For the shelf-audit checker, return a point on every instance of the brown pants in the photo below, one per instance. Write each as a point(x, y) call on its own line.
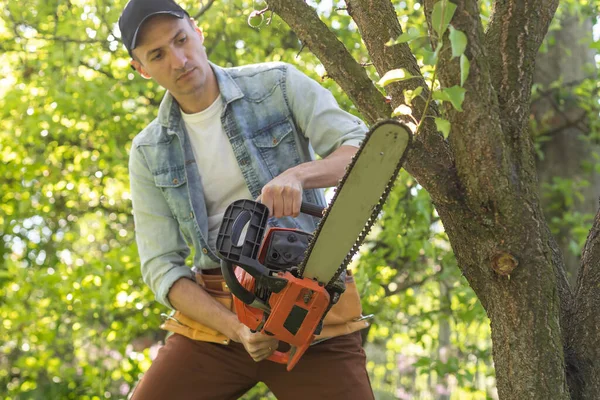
point(186, 369)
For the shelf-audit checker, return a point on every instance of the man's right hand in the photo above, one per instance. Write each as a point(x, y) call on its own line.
point(258, 345)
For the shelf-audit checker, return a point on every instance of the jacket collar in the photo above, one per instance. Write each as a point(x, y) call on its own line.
point(169, 114)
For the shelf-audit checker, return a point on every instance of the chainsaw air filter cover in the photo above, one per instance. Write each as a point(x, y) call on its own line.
point(286, 249)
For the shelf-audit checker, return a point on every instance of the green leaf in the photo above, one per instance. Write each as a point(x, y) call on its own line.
point(409, 95)
point(465, 66)
point(442, 13)
point(423, 362)
point(407, 36)
point(455, 95)
point(394, 75)
point(458, 41)
point(402, 110)
point(431, 57)
point(443, 125)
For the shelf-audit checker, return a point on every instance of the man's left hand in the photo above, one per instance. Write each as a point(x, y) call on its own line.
point(283, 195)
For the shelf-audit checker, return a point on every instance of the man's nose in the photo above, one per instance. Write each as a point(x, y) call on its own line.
point(179, 59)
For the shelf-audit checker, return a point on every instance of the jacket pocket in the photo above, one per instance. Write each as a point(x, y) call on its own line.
point(276, 147)
point(173, 184)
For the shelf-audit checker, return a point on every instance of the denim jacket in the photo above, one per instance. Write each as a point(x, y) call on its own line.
point(275, 118)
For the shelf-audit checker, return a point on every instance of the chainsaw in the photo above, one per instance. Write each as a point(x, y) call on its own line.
point(285, 281)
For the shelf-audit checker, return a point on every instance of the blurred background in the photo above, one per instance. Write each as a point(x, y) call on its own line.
point(76, 320)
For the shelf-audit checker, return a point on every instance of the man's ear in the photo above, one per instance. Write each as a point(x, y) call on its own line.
point(198, 30)
point(139, 68)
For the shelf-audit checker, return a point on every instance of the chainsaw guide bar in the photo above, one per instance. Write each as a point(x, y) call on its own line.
point(358, 199)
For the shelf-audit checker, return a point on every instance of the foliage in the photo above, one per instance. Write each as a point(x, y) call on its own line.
point(73, 307)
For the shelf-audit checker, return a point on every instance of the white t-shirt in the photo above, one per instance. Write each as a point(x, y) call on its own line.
point(222, 178)
point(221, 175)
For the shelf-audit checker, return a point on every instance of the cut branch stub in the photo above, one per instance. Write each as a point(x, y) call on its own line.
point(504, 264)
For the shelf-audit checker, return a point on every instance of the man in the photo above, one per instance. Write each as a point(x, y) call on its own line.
point(221, 135)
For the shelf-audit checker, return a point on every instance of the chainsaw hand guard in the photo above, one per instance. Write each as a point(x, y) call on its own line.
point(238, 242)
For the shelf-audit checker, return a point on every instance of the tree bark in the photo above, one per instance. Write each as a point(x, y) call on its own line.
point(585, 325)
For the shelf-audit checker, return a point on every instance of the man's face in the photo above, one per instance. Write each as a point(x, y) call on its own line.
point(170, 51)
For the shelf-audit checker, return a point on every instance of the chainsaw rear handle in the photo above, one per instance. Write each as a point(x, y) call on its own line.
point(280, 357)
point(289, 358)
point(235, 287)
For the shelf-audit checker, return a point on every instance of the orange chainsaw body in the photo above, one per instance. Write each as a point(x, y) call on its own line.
point(296, 311)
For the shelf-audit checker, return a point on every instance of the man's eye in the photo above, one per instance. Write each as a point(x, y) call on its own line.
point(183, 39)
point(158, 56)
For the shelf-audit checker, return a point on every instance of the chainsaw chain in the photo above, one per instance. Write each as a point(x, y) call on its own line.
point(374, 214)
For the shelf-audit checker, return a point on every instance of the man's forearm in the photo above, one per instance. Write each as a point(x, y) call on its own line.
point(326, 172)
point(190, 299)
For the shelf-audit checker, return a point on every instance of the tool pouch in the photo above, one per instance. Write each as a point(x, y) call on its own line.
point(346, 315)
point(179, 323)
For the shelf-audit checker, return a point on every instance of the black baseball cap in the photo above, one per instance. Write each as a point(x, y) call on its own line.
point(136, 12)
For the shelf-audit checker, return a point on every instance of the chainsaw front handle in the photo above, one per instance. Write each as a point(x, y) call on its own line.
point(312, 209)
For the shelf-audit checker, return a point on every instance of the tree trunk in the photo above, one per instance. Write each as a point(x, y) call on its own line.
point(583, 334)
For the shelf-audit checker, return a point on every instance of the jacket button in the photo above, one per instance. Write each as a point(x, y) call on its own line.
point(205, 250)
point(274, 141)
point(175, 181)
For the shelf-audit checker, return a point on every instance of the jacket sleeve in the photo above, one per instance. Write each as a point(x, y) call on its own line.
point(319, 116)
point(160, 243)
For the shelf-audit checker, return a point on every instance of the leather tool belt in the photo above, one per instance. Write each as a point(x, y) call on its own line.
point(344, 317)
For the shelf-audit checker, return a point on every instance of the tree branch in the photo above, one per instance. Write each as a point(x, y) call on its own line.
point(205, 7)
point(430, 161)
point(104, 72)
point(336, 59)
point(515, 33)
point(483, 159)
point(566, 123)
point(377, 24)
